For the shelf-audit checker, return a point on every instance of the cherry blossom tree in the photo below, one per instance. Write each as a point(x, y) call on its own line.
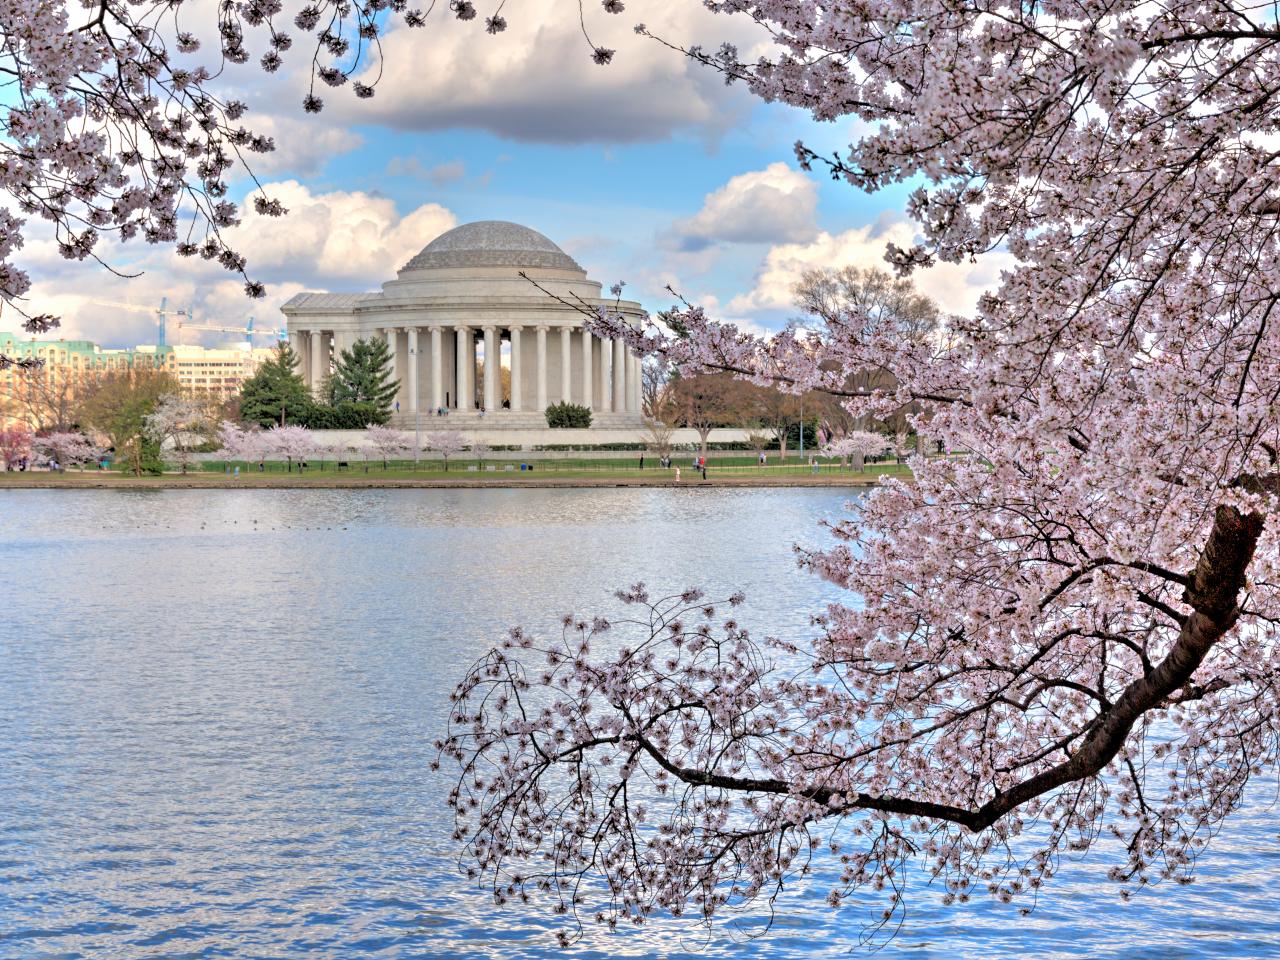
point(232, 436)
point(1069, 634)
point(171, 426)
point(66, 449)
point(446, 443)
point(856, 445)
point(1065, 635)
point(480, 450)
point(388, 441)
point(291, 442)
point(15, 444)
point(242, 443)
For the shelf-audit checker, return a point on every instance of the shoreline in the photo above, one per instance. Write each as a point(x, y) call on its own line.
point(218, 481)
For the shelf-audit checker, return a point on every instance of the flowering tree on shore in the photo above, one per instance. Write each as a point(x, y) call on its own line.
point(856, 444)
point(15, 444)
point(1068, 635)
point(242, 443)
point(67, 448)
point(446, 443)
point(388, 441)
point(291, 442)
point(171, 425)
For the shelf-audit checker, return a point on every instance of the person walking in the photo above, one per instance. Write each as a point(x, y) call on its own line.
point(704, 468)
point(642, 461)
point(677, 474)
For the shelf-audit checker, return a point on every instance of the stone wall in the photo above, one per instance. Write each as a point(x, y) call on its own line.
point(544, 436)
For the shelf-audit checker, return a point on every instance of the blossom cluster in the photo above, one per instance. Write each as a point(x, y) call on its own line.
point(1067, 632)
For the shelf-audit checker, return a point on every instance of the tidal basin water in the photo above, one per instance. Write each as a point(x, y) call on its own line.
point(217, 710)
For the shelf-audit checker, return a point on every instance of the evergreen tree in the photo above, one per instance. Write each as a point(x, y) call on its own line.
point(363, 375)
point(276, 394)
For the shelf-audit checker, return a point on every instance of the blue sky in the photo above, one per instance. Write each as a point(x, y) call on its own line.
point(649, 170)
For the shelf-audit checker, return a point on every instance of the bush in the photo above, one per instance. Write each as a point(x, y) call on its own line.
point(568, 415)
point(347, 415)
point(148, 459)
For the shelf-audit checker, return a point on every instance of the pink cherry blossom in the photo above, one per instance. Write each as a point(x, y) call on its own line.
point(1066, 633)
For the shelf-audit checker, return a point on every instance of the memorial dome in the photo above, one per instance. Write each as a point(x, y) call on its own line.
point(491, 243)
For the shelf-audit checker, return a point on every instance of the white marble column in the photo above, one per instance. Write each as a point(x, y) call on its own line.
point(413, 370)
point(588, 380)
point(317, 371)
point(566, 375)
point(540, 387)
point(634, 370)
point(437, 371)
point(302, 349)
point(517, 363)
point(606, 377)
point(620, 378)
point(462, 385)
point(390, 335)
point(492, 366)
point(299, 345)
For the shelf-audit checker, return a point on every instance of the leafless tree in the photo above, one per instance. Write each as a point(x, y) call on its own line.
point(706, 401)
point(44, 398)
point(777, 412)
point(656, 402)
point(864, 300)
point(658, 436)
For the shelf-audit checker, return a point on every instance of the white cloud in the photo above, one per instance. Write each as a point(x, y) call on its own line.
point(336, 240)
point(303, 146)
point(956, 287)
point(773, 205)
point(537, 82)
point(122, 312)
point(747, 324)
point(438, 174)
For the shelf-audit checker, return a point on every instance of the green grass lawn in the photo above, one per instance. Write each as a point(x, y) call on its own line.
point(731, 465)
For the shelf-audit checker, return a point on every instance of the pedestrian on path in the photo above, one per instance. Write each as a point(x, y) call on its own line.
point(677, 474)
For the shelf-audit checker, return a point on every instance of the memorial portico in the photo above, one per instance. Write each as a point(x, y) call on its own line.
point(459, 312)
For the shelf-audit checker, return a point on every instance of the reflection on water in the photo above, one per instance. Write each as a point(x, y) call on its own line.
point(216, 711)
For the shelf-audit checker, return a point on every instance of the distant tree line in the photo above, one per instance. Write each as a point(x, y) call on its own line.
point(855, 298)
point(139, 418)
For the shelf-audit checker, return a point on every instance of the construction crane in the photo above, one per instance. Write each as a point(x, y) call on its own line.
point(246, 329)
point(162, 314)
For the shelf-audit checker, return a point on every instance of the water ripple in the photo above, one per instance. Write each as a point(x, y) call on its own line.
point(216, 711)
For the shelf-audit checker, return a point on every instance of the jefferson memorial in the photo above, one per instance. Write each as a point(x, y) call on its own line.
point(460, 303)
